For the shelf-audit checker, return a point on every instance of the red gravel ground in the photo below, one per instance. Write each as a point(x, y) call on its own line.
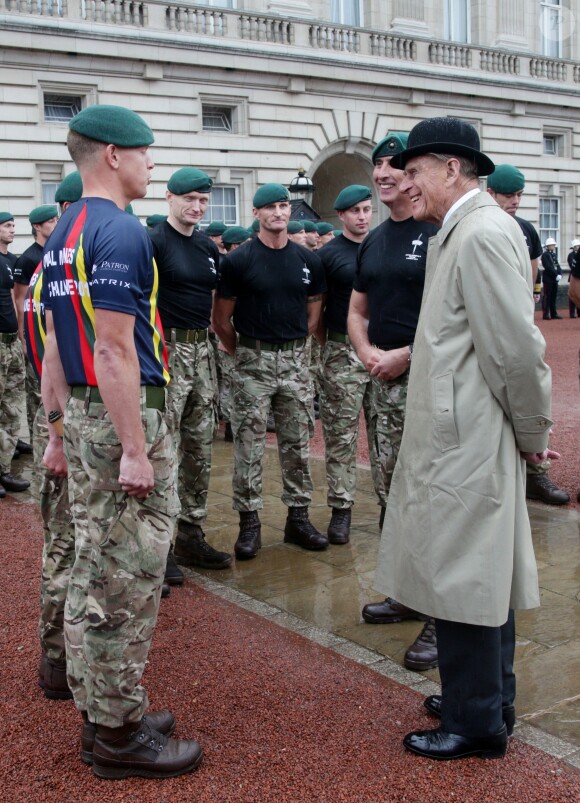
point(563, 343)
point(280, 718)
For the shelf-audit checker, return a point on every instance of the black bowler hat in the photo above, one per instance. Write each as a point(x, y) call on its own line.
point(444, 135)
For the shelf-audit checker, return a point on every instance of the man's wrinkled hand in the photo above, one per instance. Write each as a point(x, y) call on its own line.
point(136, 475)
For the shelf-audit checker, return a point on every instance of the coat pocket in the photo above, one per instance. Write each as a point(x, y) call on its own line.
point(444, 415)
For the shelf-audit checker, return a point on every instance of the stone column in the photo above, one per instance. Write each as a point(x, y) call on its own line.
point(511, 25)
point(409, 17)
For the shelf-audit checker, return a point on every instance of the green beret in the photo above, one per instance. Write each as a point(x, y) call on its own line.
point(324, 228)
point(155, 220)
point(270, 194)
point(189, 179)
point(352, 195)
point(5, 217)
point(506, 179)
point(235, 234)
point(114, 125)
point(70, 188)
point(255, 225)
point(41, 214)
point(337, 232)
point(129, 209)
point(310, 225)
point(391, 145)
point(294, 226)
point(215, 228)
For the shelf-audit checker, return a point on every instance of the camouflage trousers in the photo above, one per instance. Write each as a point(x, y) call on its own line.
point(280, 379)
point(388, 401)
point(316, 367)
point(226, 365)
point(191, 416)
point(346, 391)
point(32, 387)
point(123, 567)
point(12, 400)
point(58, 552)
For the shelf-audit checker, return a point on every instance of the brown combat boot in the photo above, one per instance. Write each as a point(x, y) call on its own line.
point(137, 750)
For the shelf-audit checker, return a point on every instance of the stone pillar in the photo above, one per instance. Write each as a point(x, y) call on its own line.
point(409, 17)
point(511, 25)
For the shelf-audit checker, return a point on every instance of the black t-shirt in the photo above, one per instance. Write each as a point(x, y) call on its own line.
point(531, 236)
point(339, 263)
point(391, 271)
point(27, 263)
point(271, 287)
point(188, 272)
point(8, 320)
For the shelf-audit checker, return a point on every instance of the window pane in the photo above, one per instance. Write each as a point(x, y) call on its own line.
point(457, 21)
point(222, 206)
point(61, 108)
point(549, 219)
point(220, 3)
point(216, 118)
point(551, 25)
point(48, 191)
point(346, 12)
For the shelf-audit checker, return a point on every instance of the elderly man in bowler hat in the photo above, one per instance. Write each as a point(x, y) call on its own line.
point(457, 543)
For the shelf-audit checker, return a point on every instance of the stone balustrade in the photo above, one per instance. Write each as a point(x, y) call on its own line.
point(188, 18)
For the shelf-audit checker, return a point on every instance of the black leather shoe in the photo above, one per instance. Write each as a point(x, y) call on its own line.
point(23, 447)
point(299, 530)
point(557, 317)
point(339, 528)
point(16, 454)
point(422, 654)
point(13, 484)
point(433, 705)
point(173, 574)
point(162, 721)
point(250, 537)
point(191, 549)
point(165, 590)
point(541, 487)
point(388, 612)
point(140, 751)
point(443, 746)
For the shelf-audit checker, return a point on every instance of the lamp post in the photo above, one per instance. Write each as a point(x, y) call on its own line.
point(302, 188)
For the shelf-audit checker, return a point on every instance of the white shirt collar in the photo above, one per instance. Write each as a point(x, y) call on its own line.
point(459, 203)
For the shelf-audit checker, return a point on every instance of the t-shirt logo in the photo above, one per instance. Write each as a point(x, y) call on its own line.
point(212, 265)
point(414, 257)
point(306, 277)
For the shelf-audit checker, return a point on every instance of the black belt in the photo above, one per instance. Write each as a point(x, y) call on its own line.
point(8, 337)
point(185, 335)
point(263, 345)
point(154, 396)
point(391, 348)
point(336, 337)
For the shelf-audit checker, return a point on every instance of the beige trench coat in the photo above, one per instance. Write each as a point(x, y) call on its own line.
point(456, 542)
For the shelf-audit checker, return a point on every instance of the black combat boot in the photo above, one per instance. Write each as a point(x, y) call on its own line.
point(422, 654)
point(339, 528)
point(55, 682)
point(13, 484)
point(173, 574)
point(162, 721)
point(250, 537)
point(191, 549)
point(540, 486)
point(300, 530)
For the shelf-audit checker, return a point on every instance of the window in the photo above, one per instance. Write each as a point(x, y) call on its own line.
point(552, 145)
point(48, 177)
point(549, 219)
point(347, 12)
point(223, 205)
point(48, 191)
point(551, 27)
point(458, 20)
point(217, 118)
point(61, 108)
point(220, 3)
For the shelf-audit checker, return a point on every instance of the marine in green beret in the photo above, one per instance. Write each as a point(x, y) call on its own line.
point(506, 179)
point(296, 232)
point(5, 217)
point(189, 179)
point(234, 236)
point(270, 194)
point(42, 213)
point(255, 225)
point(391, 145)
point(113, 125)
point(325, 233)
point(337, 232)
point(154, 220)
point(312, 239)
point(351, 195)
point(129, 209)
point(69, 190)
point(216, 228)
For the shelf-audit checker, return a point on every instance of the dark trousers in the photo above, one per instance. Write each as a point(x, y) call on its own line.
point(476, 666)
point(549, 299)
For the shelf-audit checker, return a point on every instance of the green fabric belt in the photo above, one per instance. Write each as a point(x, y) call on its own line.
point(8, 337)
point(154, 396)
point(336, 337)
point(185, 335)
point(262, 345)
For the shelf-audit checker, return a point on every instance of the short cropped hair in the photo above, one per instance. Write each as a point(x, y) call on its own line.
point(467, 166)
point(82, 149)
